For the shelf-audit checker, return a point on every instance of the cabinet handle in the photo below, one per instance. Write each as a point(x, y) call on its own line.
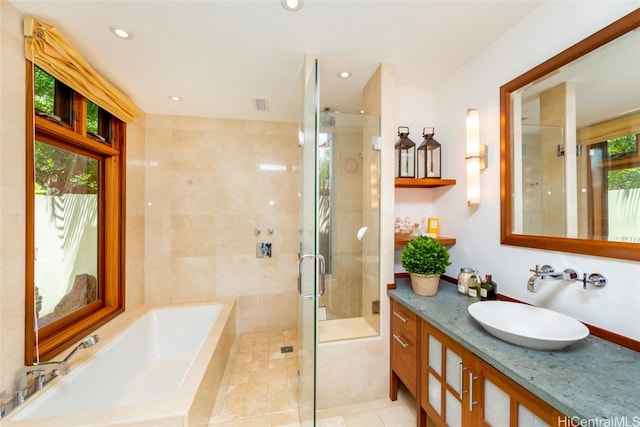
point(400, 316)
point(462, 369)
point(471, 401)
point(402, 343)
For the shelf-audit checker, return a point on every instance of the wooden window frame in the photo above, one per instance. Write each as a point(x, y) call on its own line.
point(61, 334)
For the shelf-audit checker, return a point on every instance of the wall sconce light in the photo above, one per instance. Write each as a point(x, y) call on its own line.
point(405, 154)
point(429, 155)
point(476, 157)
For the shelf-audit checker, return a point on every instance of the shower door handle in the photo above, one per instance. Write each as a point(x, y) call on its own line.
point(322, 274)
point(300, 260)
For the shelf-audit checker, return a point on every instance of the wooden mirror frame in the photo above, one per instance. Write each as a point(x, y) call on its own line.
point(602, 248)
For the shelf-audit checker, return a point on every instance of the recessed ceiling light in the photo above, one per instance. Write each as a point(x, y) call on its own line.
point(175, 98)
point(121, 32)
point(292, 5)
point(344, 74)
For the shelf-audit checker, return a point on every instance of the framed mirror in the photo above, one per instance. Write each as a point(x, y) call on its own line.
point(570, 155)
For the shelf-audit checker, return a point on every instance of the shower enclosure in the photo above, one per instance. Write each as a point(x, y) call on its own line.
point(348, 235)
point(338, 267)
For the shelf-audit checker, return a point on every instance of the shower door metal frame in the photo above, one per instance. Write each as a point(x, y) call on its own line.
point(309, 270)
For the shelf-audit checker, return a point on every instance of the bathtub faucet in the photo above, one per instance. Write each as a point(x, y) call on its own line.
point(54, 368)
point(39, 370)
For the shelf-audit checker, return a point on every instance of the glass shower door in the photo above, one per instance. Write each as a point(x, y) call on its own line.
point(310, 264)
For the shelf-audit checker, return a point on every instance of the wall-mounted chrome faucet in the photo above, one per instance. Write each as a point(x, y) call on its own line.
point(547, 272)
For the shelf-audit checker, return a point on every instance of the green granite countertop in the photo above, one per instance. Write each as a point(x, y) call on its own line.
point(591, 379)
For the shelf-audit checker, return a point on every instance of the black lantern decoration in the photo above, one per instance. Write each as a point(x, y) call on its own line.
point(429, 154)
point(405, 155)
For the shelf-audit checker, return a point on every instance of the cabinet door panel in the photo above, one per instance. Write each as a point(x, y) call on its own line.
point(453, 408)
point(496, 405)
point(506, 403)
point(435, 393)
point(435, 355)
point(526, 418)
point(454, 371)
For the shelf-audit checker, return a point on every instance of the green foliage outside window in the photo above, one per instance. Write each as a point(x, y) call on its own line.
point(45, 95)
point(45, 91)
point(623, 179)
point(92, 117)
point(59, 171)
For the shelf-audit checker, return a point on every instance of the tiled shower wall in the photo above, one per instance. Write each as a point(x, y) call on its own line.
point(209, 183)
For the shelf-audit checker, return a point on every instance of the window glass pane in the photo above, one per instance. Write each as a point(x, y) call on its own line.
point(52, 99)
point(92, 117)
point(65, 231)
point(623, 200)
point(45, 91)
point(622, 146)
point(98, 123)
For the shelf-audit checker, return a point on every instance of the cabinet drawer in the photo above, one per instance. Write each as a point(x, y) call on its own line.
point(402, 317)
point(403, 358)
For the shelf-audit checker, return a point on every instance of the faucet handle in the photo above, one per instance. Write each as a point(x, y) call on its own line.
point(541, 271)
point(39, 379)
point(595, 279)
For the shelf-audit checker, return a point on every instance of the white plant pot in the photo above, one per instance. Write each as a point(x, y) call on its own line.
point(424, 285)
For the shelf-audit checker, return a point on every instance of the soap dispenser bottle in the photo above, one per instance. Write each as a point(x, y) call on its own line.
point(474, 286)
point(488, 289)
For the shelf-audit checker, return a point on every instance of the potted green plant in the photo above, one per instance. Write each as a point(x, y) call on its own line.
point(425, 259)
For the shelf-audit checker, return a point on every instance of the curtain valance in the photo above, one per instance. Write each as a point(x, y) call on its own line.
point(49, 50)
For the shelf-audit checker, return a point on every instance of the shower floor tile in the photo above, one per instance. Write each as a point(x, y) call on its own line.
point(260, 388)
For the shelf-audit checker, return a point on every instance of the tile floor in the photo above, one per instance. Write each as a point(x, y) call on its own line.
point(259, 388)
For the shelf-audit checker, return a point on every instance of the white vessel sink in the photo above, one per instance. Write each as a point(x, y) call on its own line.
point(528, 326)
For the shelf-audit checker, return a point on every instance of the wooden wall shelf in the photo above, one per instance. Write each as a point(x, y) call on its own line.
point(447, 241)
point(423, 182)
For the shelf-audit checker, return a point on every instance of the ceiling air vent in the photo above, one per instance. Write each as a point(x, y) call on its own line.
point(261, 104)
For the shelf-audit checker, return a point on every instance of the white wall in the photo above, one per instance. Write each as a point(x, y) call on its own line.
point(549, 29)
point(415, 110)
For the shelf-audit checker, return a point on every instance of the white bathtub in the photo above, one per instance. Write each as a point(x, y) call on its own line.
point(163, 369)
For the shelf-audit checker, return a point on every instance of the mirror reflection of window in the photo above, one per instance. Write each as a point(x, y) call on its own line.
point(615, 174)
point(65, 231)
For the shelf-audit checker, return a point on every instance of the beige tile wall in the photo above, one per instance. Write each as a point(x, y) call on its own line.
point(135, 221)
point(205, 195)
point(12, 194)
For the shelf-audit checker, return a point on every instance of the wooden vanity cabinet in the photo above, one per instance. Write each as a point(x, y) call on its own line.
point(458, 389)
point(404, 349)
point(443, 380)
